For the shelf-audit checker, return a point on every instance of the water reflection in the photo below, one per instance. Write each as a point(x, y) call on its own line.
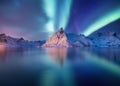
point(2, 51)
point(58, 54)
point(102, 62)
point(86, 65)
point(111, 54)
point(60, 75)
point(60, 66)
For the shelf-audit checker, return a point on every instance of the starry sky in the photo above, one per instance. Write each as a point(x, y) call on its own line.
point(39, 19)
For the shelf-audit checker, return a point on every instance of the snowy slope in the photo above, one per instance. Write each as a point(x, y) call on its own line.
point(106, 40)
point(79, 40)
point(18, 42)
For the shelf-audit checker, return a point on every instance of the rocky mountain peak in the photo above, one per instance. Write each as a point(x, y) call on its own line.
point(59, 39)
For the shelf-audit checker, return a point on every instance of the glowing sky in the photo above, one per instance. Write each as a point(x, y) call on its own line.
point(103, 21)
point(57, 16)
point(38, 19)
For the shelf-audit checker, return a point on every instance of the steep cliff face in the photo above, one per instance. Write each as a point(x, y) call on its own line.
point(59, 39)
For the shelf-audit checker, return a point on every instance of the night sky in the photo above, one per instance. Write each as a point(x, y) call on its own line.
point(38, 19)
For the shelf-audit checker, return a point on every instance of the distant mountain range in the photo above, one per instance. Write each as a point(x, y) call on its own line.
point(63, 39)
point(18, 42)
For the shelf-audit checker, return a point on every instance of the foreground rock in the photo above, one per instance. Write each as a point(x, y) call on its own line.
point(59, 39)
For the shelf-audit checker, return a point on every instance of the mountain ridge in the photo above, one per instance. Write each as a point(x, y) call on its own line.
point(63, 39)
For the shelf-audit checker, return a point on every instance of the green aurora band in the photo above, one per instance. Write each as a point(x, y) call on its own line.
point(64, 14)
point(105, 20)
point(50, 8)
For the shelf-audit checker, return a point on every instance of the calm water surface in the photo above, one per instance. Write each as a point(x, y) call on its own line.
point(60, 67)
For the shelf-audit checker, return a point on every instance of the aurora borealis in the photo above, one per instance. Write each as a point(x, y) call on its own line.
point(105, 20)
point(38, 19)
point(57, 16)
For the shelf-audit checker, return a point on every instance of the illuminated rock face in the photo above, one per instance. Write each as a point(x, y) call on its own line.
point(59, 39)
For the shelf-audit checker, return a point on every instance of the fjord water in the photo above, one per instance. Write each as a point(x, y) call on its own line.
point(60, 67)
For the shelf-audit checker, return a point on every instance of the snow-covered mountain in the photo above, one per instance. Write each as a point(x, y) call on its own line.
point(62, 39)
point(79, 40)
point(18, 42)
point(106, 40)
point(59, 39)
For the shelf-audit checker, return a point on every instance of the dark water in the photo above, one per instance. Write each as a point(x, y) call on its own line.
point(60, 67)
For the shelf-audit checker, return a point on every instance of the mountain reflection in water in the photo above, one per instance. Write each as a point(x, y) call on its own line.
point(60, 67)
point(58, 54)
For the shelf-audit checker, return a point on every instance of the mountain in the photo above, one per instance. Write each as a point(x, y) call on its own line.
point(112, 27)
point(59, 39)
point(79, 40)
point(62, 39)
point(111, 39)
point(18, 42)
